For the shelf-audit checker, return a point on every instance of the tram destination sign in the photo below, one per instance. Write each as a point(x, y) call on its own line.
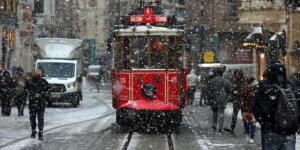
point(148, 17)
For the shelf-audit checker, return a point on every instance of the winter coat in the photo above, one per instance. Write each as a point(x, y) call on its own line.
point(238, 84)
point(38, 92)
point(7, 86)
point(247, 96)
point(192, 78)
point(218, 91)
point(20, 83)
point(266, 96)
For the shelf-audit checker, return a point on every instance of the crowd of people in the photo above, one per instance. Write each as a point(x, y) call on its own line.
point(16, 89)
point(272, 102)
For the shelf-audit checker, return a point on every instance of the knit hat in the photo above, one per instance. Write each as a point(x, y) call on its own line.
point(250, 80)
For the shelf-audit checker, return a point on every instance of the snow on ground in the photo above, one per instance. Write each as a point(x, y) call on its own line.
point(94, 105)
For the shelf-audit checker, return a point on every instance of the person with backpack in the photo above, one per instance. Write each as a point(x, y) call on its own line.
point(38, 89)
point(218, 92)
point(238, 83)
point(248, 118)
point(276, 109)
point(20, 96)
point(191, 81)
point(6, 92)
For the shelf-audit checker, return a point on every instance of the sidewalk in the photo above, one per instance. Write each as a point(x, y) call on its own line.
point(202, 115)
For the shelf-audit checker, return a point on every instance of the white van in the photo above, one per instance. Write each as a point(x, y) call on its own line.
point(93, 72)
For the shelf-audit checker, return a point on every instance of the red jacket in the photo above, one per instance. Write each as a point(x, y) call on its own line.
point(247, 96)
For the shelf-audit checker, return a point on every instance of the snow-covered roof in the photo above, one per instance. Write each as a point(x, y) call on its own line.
point(57, 47)
point(256, 30)
point(274, 37)
point(148, 31)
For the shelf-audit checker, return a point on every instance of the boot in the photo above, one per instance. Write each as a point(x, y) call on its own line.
point(41, 136)
point(33, 133)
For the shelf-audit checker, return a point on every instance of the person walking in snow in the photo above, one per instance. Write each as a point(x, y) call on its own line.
point(238, 83)
point(276, 107)
point(191, 81)
point(218, 92)
point(38, 90)
point(20, 96)
point(6, 92)
point(248, 118)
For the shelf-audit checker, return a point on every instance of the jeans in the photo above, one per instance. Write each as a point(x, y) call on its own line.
point(190, 95)
point(274, 141)
point(250, 128)
point(39, 112)
point(218, 116)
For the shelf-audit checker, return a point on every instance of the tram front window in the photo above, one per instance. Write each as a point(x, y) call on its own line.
point(150, 53)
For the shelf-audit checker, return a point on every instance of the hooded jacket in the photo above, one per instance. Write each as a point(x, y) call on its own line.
point(266, 96)
point(218, 90)
point(192, 78)
point(38, 89)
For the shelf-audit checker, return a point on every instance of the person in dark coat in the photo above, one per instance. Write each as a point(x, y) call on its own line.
point(218, 91)
point(38, 89)
point(20, 98)
point(6, 92)
point(264, 108)
point(248, 118)
point(238, 83)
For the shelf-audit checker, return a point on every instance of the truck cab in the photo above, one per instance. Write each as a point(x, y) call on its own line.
point(60, 61)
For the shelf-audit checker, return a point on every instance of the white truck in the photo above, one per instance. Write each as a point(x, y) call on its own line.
point(61, 64)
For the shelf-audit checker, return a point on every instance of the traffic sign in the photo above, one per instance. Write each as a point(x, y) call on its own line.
point(208, 57)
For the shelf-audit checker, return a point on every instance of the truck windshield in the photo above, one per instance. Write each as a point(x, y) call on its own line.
point(51, 69)
point(94, 70)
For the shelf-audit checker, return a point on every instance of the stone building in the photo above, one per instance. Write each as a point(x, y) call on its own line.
point(214, 28)
point(275, 19)
point(8, 30)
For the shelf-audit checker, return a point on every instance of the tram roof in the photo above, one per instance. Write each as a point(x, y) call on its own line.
point(148, 31)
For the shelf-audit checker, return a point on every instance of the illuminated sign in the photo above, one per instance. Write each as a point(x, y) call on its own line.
point(148, 17)
point(208, 57)
point(254, 45)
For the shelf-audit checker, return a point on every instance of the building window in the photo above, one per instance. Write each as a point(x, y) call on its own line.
point(232, 1)
point(232, 10)
point(38, 6)
point(201, 8)
point(181, 2)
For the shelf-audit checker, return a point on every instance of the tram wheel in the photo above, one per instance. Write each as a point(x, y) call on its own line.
point(120, 119)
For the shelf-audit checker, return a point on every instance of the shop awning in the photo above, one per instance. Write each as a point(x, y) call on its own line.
point(255, 38)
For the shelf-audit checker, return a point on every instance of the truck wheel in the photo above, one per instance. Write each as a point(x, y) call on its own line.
point(76, 100)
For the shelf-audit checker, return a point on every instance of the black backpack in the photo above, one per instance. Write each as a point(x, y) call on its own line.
point(287, 111)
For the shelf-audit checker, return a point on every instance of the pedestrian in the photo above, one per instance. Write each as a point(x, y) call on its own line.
point(6, 92)
point(248, 118)
point(20, 96)
point(38, 89)
point(205, 82)
point(238, 83)
point(275, 106)
point(191, 81)
point(218, 92)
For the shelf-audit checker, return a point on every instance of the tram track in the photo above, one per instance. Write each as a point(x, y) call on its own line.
point(127, 143)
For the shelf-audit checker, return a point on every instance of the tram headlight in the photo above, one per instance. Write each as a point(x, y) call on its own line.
point(149, 90)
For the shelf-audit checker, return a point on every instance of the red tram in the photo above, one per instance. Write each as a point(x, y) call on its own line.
point(148, 69)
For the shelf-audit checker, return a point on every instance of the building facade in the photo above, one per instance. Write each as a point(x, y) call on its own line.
point(214, 27)
point(276, 19)
point(8, 29)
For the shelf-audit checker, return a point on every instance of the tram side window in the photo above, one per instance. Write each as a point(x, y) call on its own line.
point(157, 53)
point(139, 53)
point(124, 61)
